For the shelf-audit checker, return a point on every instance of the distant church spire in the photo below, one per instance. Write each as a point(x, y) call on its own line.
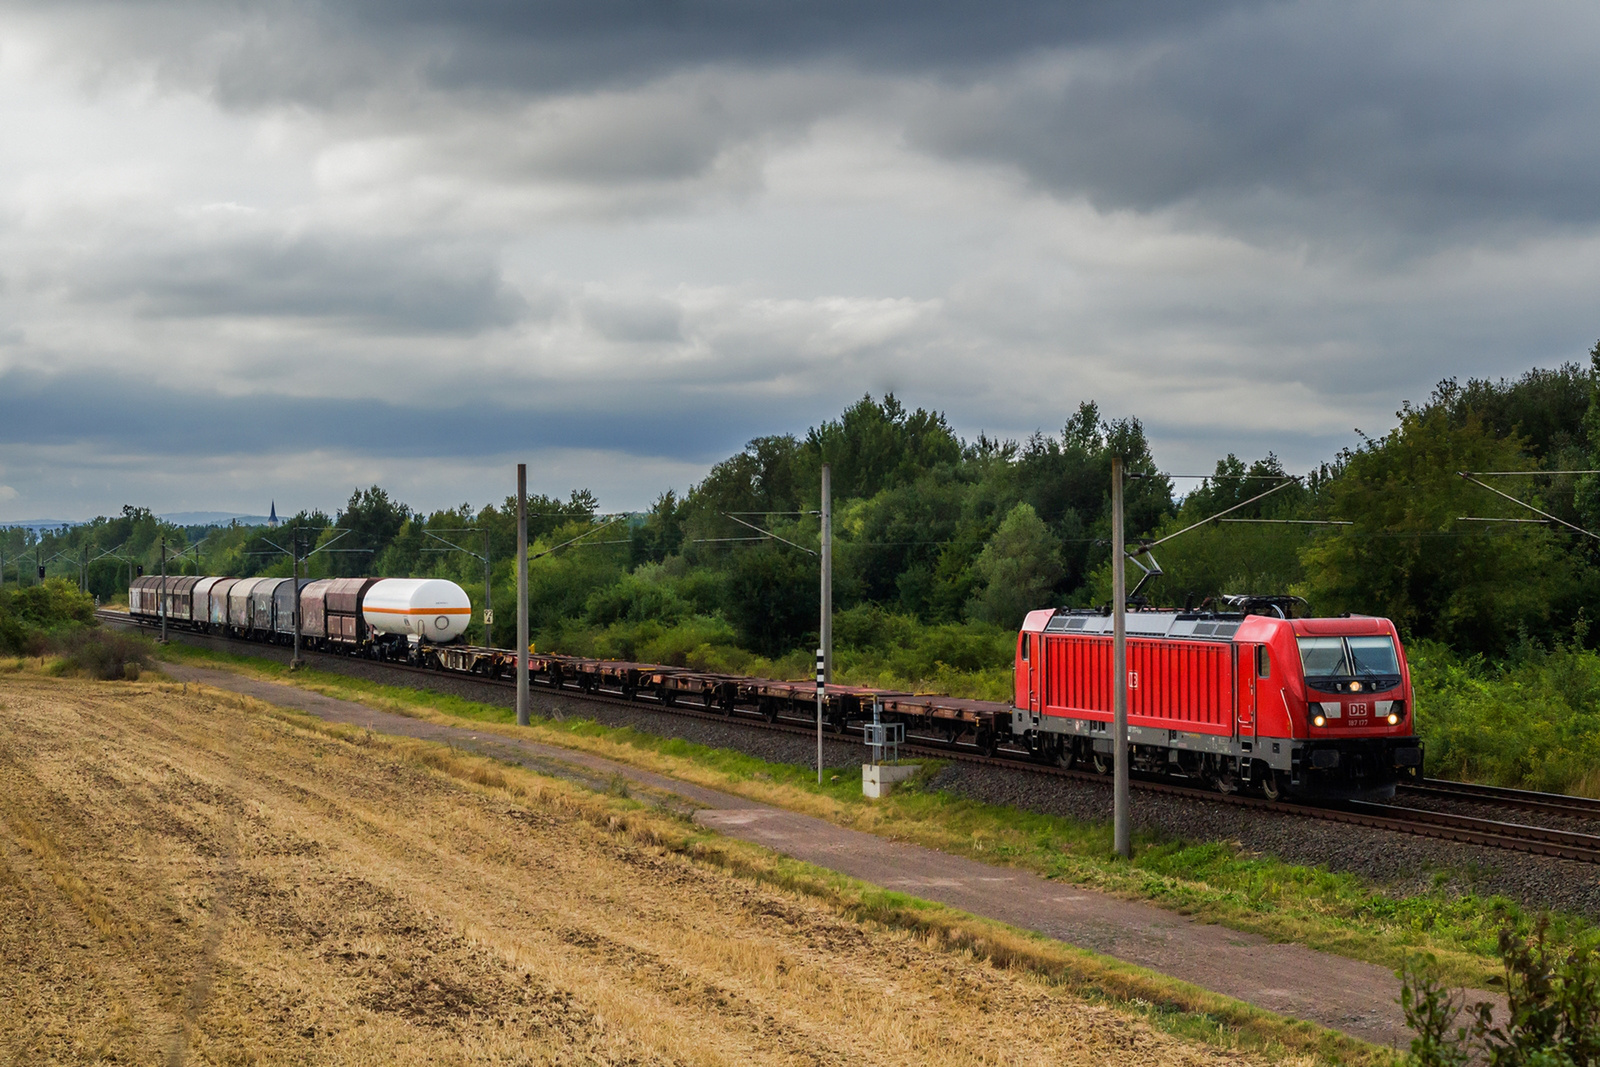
point(272, 519)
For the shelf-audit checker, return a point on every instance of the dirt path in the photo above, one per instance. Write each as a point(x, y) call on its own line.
point(1356, 998)
point(183, 880)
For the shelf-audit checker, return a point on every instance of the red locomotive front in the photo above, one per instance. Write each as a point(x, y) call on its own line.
point(1313, 707)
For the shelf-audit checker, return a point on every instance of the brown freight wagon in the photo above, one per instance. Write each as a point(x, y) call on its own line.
point(180, 598)
point(330, 610)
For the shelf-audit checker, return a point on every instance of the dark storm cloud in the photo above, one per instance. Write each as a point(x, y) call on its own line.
point(128, 416)
point(586, 42)
point(260, 52)
point(382, 286)
point(1312, 115)
point(1302, 116)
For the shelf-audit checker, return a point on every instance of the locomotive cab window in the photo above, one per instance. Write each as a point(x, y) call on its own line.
point(1349, 657)
point(1025, 642)
point(1373, 655)
point(1323, 657)
point(1263, 662)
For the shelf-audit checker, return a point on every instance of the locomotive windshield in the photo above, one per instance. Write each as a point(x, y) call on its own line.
point(1373, 655)
point(1323, 657)
point(1344, 657)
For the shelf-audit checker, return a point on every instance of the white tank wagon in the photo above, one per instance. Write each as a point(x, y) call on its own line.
point(428, 609)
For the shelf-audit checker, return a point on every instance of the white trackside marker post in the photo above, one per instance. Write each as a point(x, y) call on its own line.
point(163, 590)
point(822, 697)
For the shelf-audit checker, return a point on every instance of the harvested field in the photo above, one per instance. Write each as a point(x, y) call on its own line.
point(186, 877)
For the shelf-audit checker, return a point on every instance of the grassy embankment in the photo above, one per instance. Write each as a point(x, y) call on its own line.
point(302, 891)
point(1217, 882)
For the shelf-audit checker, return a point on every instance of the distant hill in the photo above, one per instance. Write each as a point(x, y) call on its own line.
point(38, 524)
point(208, 518)
point(177, 518)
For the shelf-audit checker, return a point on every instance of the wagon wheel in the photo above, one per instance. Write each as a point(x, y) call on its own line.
point(953, 734)
point(1066, 758)
point(769, 709)
point(1271, 787)
point(708, 697)
point(988, 743)
point(667, 697)
point(1101, 762)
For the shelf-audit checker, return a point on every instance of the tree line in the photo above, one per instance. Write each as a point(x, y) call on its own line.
point(962, 537)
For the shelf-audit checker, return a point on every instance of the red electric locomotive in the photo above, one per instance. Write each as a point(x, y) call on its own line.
point(1315, 708)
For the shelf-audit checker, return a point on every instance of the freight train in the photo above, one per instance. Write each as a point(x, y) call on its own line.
point(1242, 698)
point(386, 618)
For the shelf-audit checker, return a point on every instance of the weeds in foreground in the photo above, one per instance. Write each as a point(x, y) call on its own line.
point(101, 653)
point(1552, 1016)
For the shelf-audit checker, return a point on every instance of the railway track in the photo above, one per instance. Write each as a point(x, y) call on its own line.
point(1526, 800)
point(1422, 822)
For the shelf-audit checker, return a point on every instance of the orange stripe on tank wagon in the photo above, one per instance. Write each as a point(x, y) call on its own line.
point(419, 611)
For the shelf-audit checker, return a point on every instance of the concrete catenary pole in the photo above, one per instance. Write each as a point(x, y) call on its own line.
point(163, 590)
point(827, 573)
point(1119, 667)
point(522, 594)
point(294, 543)
point(825, 651)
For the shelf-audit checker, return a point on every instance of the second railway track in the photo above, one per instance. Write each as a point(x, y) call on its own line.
point(1422, 822)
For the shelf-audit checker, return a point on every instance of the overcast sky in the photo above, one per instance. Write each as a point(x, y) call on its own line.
point(256, 251)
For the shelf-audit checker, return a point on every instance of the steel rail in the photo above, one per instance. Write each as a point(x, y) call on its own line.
point(1417, 822)
point(1526, 799)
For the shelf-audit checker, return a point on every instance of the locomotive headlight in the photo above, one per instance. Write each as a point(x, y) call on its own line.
point(1320, 721)
point(1393, 719)
point(1355, 687)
